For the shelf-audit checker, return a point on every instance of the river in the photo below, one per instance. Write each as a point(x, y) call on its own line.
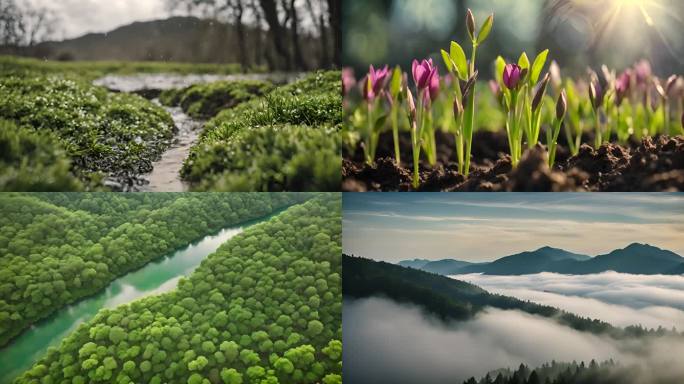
point(158, 276)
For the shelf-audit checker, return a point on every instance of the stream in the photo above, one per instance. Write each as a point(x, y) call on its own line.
point(160, 275)
point(165, 175)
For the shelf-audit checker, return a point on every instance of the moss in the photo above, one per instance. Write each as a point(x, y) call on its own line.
point(33, 162)
point(207, 100)
point(271, 158)
point(101, 132)
point(286, 140)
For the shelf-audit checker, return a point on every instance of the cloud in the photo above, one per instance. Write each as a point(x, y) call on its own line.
point(389, 342)
point(642, 294)
point(79, 17)
point(393, 227)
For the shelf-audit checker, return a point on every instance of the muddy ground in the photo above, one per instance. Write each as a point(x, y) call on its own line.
point(654, 164)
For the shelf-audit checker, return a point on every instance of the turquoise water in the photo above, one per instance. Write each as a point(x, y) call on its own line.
point(156, 277)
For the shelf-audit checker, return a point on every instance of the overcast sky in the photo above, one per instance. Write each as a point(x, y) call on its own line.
point(483, 227)
point(78, 17)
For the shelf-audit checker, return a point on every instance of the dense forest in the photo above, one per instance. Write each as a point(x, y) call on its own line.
point(452, 299)
point(608, 372)
point(264, 308)
point(59, 247)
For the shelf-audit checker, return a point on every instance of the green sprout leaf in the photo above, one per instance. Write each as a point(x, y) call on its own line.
point(523, 61)
point(499, 67)
point(395, 85)
point(485, 29)
point(380, 123)
point(447, 61)
point(538, 65)
point(459, 58)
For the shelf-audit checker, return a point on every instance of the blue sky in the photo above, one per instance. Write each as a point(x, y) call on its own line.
point(483, 226)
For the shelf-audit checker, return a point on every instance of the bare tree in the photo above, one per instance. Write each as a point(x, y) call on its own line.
point(275, 29)
point(40, 24)
point(11, 27)
point(259, 53)
point(335, 14)
point(293, 18)
point(318, 20)
point(25, 26)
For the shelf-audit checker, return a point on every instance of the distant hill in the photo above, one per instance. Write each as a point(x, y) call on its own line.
point(178, 39)
point(450, 299)
point(446, 266)
point(679, 270)
point(415, 263)
point(635, 259)
point(542, 259)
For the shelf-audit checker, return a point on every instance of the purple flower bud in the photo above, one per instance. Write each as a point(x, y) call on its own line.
point(423, 72)
point(470, 24)
point(669, 84)
point(433, 88)
point(595, 94)
point(554, 70)
point(374, 82)
point(427, 99)
point(643, 71)
point(541, 89)
point(494, 87)
point(411, 105)
point(511, 75)
point(561, 105)
point(622, 86)
point(348, 80)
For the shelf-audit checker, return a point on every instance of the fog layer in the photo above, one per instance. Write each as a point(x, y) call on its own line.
point(389, 342)
point(618, 298)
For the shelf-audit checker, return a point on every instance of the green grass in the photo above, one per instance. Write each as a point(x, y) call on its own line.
point(101, 132)
point(90, 70)
point(286, 140)
point(207, 100)
point(33, 162)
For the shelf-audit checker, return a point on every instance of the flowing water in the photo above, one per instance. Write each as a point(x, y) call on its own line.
point(159, 276)
point(165, 175)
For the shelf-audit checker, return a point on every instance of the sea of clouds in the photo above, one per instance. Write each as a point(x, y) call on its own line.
point(385, 341)
point(618, 298)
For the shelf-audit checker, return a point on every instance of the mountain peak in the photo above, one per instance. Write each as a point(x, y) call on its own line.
point(636, 245)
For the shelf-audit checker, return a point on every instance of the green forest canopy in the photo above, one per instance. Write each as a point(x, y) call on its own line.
point(266, 307)
point(56, 248)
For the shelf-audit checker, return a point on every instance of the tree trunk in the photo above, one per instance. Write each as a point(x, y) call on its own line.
point(259, 53)
point(299, 59)
point(240, 29)
point(335, 13)
point(275, 29)
point(319, 24)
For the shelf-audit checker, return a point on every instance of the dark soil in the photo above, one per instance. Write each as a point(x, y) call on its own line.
point(655, 164)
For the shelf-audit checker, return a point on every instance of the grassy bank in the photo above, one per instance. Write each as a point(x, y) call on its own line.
point(285, 140)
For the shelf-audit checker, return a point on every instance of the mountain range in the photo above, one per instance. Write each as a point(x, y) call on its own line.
point(636, 258)
point(178, 39)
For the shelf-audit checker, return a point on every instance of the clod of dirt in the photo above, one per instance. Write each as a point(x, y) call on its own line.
point(654, 164)
point(534, 175)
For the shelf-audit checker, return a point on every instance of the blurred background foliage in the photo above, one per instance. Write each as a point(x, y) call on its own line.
point(578, 33)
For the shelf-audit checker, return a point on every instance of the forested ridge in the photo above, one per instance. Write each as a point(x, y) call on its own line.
point(56, 248)
point(452, 299)
point(607, 372)
point(266, 307)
